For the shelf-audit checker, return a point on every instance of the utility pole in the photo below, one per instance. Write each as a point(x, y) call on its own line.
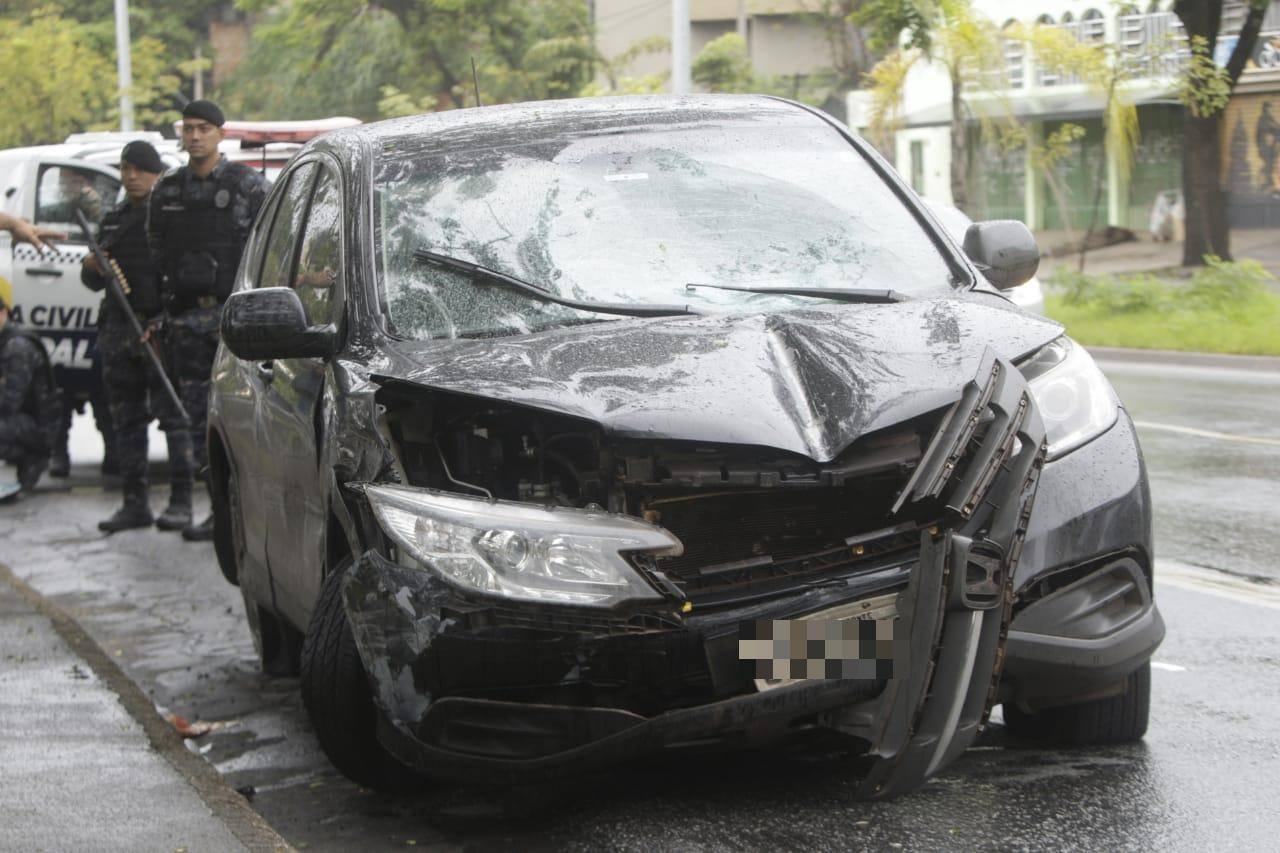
point(124, 65)
point(680, 71)
point(198, 82)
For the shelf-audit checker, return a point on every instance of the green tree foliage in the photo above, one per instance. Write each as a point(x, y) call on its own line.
point(60, 77)
point(615, 71)
point(420, 57)
point(723, 65)
point(282, 77)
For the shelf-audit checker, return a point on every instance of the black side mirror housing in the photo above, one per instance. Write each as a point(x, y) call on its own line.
point(270, 323)
point(1005, 250)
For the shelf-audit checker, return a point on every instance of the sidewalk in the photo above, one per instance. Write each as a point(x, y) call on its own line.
point(85, 761)
point(1145, 255)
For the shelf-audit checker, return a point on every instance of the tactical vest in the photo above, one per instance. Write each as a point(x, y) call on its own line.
point(43, 400)
point(201, 251)
point(124, 236)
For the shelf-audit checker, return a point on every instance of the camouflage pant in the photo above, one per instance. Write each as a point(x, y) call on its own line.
point(21, 439)
point(192, 342)
point(136, 396)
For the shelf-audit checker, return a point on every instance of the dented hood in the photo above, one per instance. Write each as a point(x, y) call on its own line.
point(807, 381)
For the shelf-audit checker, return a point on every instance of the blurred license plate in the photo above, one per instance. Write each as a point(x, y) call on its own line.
point(853, 640)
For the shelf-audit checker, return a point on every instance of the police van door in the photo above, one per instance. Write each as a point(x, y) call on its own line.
point(48, 296)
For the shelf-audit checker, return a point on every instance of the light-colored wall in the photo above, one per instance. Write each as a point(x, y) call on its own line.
point(936, 149)
point(780, 42)
point(787, 44)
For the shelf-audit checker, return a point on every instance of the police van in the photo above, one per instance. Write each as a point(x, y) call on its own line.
point(46, 184)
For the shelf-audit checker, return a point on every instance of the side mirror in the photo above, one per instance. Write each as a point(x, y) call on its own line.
point(1005, 251)
point(270, 323)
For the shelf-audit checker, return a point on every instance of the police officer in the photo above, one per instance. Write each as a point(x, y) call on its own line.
point(28, 399)
point(199, 221)
point(134, 390)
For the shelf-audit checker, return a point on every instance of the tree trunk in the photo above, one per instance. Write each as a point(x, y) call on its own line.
point(959, 146)
point(1203, 197)
point(1206, 204)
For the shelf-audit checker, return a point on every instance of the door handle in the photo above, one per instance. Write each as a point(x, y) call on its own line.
point(50, 271)
point(266, 370)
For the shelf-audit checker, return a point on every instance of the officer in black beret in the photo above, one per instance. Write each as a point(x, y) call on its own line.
point(199, 222)
point(134, 392)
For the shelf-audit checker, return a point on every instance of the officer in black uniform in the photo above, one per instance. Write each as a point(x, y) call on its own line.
point(199, 222)
point(134, 391)
point(29, 402)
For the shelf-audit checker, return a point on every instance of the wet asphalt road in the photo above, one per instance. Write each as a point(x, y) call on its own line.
point(1203, 778)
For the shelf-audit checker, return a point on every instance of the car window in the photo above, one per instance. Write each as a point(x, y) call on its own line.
point(320, 260)
point(281, 244)
point(61, 190)
point(635, 217)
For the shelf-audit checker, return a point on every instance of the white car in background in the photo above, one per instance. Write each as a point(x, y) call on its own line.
point(1029, 296)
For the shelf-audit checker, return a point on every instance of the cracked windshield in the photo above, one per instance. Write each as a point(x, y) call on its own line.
point(636, 220)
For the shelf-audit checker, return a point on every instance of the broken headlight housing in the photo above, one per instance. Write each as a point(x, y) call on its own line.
point(1075, 400)
point(555, 555)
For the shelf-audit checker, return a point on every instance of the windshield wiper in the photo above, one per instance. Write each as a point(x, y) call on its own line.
point(839, 294)
point(479, 274)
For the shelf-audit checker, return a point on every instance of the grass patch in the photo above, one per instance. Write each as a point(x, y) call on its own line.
point(1224, 307)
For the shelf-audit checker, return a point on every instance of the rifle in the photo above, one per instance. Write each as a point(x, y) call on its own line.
point(118, 287)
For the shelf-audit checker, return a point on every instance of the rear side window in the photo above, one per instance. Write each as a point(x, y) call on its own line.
point(278, 259)
point(320, 261)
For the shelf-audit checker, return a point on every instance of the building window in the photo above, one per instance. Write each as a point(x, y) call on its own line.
point(917, 165)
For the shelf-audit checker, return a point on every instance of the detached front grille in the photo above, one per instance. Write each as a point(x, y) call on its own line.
point(736, 541)
point(976, 475)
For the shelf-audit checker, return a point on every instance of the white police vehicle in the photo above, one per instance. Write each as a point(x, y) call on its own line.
point(44, 184)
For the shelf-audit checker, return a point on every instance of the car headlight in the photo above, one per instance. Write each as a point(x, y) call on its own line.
point(522, 551)
point(1076, 401)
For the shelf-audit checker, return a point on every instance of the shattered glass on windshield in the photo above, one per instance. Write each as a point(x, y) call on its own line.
point(636, 218)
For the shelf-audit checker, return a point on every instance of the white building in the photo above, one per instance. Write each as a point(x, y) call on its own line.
point(1151, 40)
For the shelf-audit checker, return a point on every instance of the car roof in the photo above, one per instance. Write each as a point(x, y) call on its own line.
point(508, 124)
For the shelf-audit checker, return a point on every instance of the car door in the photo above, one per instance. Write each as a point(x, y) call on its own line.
point(293, 405)
point(246, 419)
point(48, 295)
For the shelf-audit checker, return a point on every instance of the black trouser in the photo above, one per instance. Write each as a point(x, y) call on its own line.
point(136, 394)
point(21, 439)
point(191, 339)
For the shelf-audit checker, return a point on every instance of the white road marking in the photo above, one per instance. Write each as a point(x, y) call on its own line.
point(1208, 433)
point(1167, 667)
point(1220, 584)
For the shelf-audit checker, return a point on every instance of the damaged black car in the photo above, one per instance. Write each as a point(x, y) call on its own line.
point(550, 435)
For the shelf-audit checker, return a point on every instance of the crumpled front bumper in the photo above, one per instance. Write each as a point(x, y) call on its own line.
point(944, 656)
point(953, 606)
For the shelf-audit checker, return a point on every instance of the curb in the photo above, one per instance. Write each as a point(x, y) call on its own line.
point(1260, 363)
point(223, 801)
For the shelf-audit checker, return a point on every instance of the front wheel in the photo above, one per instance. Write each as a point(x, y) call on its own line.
point(228, 525)
point(335, 691)
point(1115, 719)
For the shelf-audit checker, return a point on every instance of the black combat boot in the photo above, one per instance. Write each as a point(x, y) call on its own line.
point(135, 513)
point(29, 471)
point(177, 515)
point(60, 463)
point(202, 532)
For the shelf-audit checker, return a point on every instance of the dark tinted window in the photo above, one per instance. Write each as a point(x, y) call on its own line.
point(288, 221)
point(320, 262)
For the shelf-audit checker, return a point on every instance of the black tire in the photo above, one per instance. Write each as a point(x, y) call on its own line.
point(228, 526)
point(1116, 719)
point(335, 691)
